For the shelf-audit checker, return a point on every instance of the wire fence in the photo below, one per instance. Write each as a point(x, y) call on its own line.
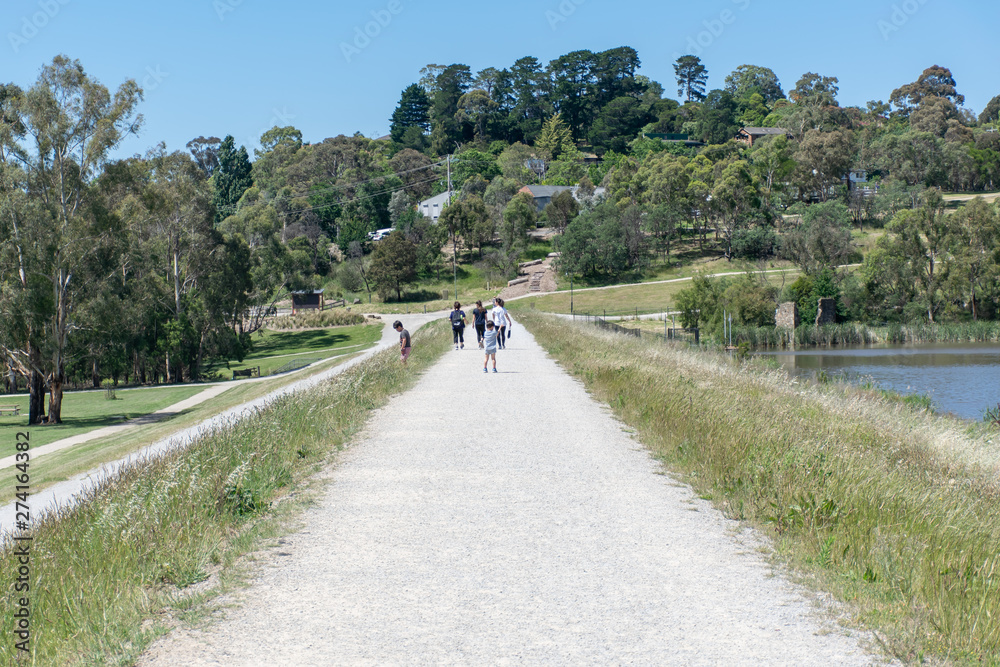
point(295, 365)
point(671, 334)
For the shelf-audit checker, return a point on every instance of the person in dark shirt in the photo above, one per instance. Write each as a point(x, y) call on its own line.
point(479, 321)
point(457, 318)
point(404, 340)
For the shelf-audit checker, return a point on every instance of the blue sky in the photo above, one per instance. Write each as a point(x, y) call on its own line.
point(217, 67)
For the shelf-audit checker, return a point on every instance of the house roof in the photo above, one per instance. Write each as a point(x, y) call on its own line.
point(546, 190)
point(764, 130)
point(440, 199)
point(311, 291)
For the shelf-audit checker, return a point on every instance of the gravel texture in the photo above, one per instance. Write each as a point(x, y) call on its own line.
point(510, 519)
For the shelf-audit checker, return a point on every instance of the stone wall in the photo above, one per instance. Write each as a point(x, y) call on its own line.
point(787, 316)
point(827, 313)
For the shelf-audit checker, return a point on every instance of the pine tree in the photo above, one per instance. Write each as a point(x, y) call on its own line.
point(556, 138)
point(691, 78)
point(231, 178)
point(413, 111)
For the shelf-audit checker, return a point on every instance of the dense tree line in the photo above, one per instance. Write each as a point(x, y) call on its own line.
point(789, 195)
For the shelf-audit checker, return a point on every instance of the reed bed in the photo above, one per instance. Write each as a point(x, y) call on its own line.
point(892, 509)
point(151, 537)
point(851, 333)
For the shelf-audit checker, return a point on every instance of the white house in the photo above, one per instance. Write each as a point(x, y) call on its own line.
point(432, 207)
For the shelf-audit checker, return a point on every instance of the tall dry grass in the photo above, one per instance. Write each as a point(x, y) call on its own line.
point(315, 319)
point(894, 510)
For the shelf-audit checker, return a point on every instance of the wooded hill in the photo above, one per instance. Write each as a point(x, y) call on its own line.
point(155, 267)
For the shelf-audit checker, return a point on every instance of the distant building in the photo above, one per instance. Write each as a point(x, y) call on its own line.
point(857, 181)
point(431, 208)
point(749, 135)
point(543, 194)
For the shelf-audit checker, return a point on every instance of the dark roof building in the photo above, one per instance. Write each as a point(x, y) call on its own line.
point(543, 194)
point(748, 135)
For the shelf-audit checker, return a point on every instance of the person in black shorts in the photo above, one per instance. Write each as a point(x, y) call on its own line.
point(479, 321)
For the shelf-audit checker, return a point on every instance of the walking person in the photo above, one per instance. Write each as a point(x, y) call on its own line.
point(479, 322)
point(404, 340)
point(490, 341)
point(500, 320)
point(457, 318)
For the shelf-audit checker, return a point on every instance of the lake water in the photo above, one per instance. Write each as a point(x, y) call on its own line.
point(963, 379)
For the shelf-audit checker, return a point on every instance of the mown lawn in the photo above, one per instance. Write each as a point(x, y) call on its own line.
point(274, 349)
point(84, 411)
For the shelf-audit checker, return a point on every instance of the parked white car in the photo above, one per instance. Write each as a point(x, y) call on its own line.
point(380, 234)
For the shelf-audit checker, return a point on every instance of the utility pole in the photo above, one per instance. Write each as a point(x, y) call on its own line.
point(454, 240)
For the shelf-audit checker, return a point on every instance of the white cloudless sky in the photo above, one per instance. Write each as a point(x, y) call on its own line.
point(217, 67)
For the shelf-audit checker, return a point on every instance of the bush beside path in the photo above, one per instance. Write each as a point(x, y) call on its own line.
point(485, 518)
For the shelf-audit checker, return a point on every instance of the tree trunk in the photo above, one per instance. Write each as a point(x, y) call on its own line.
point(95, 375)
point(36, 387)
point(55, 397)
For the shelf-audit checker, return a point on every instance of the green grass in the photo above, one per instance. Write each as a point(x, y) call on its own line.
point(274, 349)
point(106, 570)
point(85, 411)
point(893, 510)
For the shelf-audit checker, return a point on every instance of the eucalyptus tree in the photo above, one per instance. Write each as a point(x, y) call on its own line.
point(922, 236)
point(70, 123)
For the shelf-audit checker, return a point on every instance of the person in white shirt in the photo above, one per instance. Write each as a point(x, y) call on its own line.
point(501, 320)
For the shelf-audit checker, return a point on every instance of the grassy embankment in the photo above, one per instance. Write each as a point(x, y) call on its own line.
point(86, 411)
point(893, 510)
point(126, 553)
point(648, 298)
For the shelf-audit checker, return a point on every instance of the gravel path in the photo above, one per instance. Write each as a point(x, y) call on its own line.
point(509, 519)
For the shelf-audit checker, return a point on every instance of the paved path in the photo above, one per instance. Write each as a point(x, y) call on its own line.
point(507, 519)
